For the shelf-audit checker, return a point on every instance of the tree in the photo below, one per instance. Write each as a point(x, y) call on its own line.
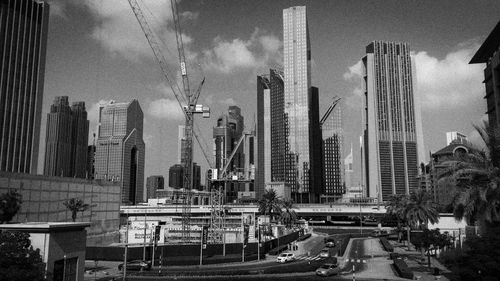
point(270, 204)
point(419, 211)
point(18, 260)
point(75, 205)
point(395, 209)
point(10, 203)
point(476, 176)
point(429, 240)
point(288, 216)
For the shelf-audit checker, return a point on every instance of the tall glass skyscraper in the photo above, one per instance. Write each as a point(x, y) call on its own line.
point(303, 157)
point(120, 148)
point(23, 30)
point(392, 135)
point(333, 168)
point(66, 139)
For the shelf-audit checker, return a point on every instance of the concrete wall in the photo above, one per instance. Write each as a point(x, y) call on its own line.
point(43, 198)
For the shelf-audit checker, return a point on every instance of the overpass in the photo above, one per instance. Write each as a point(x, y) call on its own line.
point(302, 210)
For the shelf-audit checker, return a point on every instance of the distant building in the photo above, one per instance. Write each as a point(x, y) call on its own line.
point(226, 134)
point(333, 168)
point(153, 183)
point(489, 53)
point(90, 161)
point(24, 29)
point(196, 176)
point(120, 148)
point(66, 139)
point(271, 136)
point(349, 170)
point(392, 133)
point(303, 159)
point(181, 144)
point(176, 176)
point(455, 137)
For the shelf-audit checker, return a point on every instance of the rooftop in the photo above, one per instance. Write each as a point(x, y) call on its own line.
point(490, 45)
point(45, 226)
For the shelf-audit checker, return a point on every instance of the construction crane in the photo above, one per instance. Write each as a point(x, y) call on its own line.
point(186, 100)
point(334, 103)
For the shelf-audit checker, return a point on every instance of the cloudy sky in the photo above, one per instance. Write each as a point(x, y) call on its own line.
point(97, 52)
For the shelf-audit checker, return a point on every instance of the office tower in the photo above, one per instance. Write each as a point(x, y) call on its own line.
point(303, 171)
point(66, 139)
point(392, 120)
point(332, 155)
point(196, 176)
point(349, 169)
point(226, 135)
point(181, 144)
point(455, 137)
point(120, 148)
point(271, 137)
point(23, 29)
point(176, 176)
point(154, 183)
point(79, 139)
point(489, 54)
point(90, 161)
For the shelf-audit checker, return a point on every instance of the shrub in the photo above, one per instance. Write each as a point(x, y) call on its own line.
point(402, 269)
point(387, 246)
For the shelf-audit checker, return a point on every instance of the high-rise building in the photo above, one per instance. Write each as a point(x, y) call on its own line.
point(303, 163)
point(181, 144)
point(349, 170)
point(226, 135)
point(90, 161)
point(23, 29)
point(120, 148)
point(153, 183)
point(176, 176)
point(66, 139)
point(489, 53)
point(392, 132)
point(455, 137)
point(332, 155)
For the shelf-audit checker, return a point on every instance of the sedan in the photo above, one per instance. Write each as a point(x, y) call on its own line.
point(325, 253)
point(328, 269)
point(136, 265)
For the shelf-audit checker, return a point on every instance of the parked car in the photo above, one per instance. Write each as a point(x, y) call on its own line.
point(327, 269)
point(330, 244)
point(136, 265)
point(325, 253)
point(285, 257)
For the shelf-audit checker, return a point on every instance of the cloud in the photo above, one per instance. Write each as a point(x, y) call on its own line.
point(354, 71)
point(228, 101)
point(165, 109)
point(451, 81)
point(118, 30)
point(58, 9)
point(258, 51)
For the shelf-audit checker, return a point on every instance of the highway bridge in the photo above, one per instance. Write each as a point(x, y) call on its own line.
point(302, 210)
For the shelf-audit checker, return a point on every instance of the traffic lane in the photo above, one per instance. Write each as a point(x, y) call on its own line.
point(268, 277)
point(356, 254)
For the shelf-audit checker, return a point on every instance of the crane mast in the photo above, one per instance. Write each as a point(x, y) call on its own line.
point(186, 100)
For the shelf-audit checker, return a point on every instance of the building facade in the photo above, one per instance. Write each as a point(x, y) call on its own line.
point(333, 168)
point(176, 176)
point(489, 54)
point(181, 144)
point(392, 133)
point(349, 170)
point(120, 148)
point(303, 163)
point(153, 183)
point(23, 29)
point(66, 139)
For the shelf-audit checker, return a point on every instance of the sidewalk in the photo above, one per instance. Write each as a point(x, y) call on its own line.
point(419, 267)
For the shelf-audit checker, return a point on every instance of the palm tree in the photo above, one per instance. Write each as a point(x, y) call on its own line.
point(270, 204)
point(75, 205)
point(395, 207)
point(476, 176)
point(419, 211)
point(288, 216)
point(10, 203)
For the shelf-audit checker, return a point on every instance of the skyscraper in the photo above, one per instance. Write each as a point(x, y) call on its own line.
point(154, 183)
point(392, 121)
point(348, 169)
point(120, 148)
point(66, 139)
point(303, 162)
point(181, 144)
point(332, 154)
point(23, 29)
point(226, 135)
